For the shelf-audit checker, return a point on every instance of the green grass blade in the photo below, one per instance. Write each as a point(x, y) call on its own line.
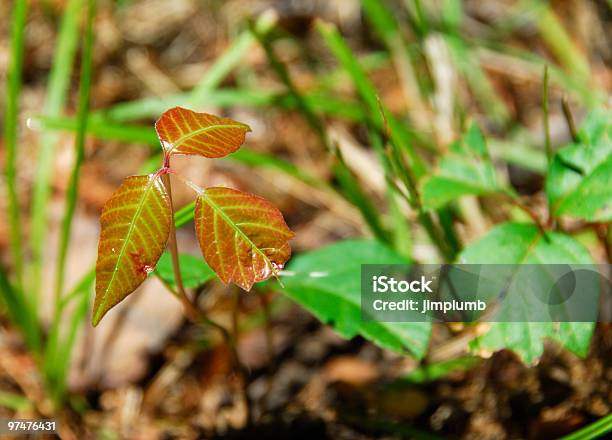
point(78, 317)
point(353, 192)
point(57, 90)
point(562, 45)
point(57, 351)
point(184, 215)
point(381, 19)
point(386, 26)
point(60, 359)
point(153, 107)
point(477, 79)
point(14, 401)
point(102, 129)
point(303, 105)
point(228, 61)
point(20, 312)
point(350, 186)
point(82, 117)
point(13, 88)
point(398, 133)
point(231, 97)
point(597, 429)
point(533, 63)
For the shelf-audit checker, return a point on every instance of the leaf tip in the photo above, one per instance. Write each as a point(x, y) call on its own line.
point(97, 317)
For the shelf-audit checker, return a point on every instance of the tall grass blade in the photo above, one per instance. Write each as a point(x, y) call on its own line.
point(13, 88)
point(14, 401)
point(20, 312)
point(229, 60)
point(58, 349)
point(57, 89)
point(82, 117)
point(398, 133)
point(597, 429)
point(303, 106)
point(350, 186)
point(354, 193)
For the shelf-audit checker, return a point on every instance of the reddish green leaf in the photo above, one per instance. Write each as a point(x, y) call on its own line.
point(183, 131)
point(243, 238)
point(135, 224)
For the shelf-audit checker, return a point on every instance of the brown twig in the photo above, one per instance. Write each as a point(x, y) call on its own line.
point(603, 234)
point(516, 201)
point(571, 125)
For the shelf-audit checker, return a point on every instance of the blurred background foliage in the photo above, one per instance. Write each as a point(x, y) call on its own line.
point(340, 95)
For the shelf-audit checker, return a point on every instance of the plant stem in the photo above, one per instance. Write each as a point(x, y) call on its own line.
point(549, 153)
point(571, 125)
point(178, 278)
point(191, 310)
point(604, 237)
point(527, 210)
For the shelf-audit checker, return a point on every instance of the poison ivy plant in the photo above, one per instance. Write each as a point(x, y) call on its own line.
point(327, 282)
point(579, 182)
point(466, 169)
point(243, 237)
point(520, 243)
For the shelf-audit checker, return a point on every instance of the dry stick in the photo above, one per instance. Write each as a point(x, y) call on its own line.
point(570, 119)
point(515, 200)
point(191, 310)
point(549, 153)
point(601, 229)
point(550, 222)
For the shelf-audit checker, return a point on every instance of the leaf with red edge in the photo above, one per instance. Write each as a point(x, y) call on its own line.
point(243, 238)
point(135, 224)
point(183, 131)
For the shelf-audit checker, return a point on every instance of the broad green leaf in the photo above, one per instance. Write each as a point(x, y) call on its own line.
point(183, 131)
point(327, 282)
point(243, 238)
point(135, 224)
point(579, 182)
point(466, 169)
point(522, 243)
point(194, 270)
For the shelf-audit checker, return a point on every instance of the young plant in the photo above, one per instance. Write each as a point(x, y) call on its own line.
point(243, 237)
